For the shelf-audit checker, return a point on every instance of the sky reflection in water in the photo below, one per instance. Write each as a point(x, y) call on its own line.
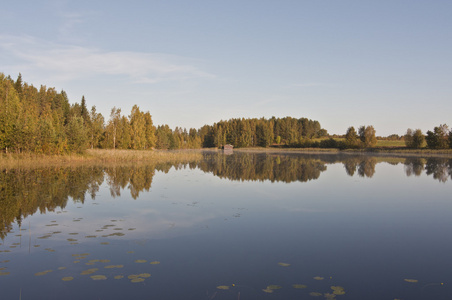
point(245, 223)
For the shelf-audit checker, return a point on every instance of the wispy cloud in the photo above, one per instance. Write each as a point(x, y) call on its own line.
point(313, 84)
point(74, 62)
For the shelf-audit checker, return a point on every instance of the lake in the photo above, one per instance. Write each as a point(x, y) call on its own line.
point(239, 226)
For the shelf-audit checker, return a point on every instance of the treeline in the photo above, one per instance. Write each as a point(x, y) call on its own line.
point(43, 121)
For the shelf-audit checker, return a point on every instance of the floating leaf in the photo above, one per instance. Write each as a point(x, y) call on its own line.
point(140, 261)
point(104, 260)
point(131, 229)
point(299, 286)
point(130, 252)
point(223, 287)
point(36, 246)
point(338, 290)
point(4, 273)
point(273, 287)
point(118, 277)
point(67, 278)
point(90, 236)
point(44, 237)
point(315, 294)
point(319, 278)
point(71, 240)
point(269, 291)
point(89, 271)
point(89, 263)
point(43, 272)
point(61, 268)
point(114, 266)
point(155, 262)
point(144, 275)
point(76, 261)
point(99, 277)
point(283, 264)
point(137, 280)
point(104, 243)
point(329, 296)
point(411, 280)
point(73, 233)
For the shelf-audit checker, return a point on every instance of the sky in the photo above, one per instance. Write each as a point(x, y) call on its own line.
point(385, 63)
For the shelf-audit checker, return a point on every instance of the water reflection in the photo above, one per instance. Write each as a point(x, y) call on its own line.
point(24, 192)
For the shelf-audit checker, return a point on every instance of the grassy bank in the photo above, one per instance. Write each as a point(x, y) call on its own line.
point(99, 156)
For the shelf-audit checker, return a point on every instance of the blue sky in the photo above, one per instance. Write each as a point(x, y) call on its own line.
point(190, 63)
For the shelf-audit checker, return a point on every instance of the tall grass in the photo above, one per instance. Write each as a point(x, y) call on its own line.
point(98, 156)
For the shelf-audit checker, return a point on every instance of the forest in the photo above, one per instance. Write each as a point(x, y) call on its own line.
point(42, 120)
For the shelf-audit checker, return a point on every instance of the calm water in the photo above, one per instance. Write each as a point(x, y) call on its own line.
point(252, 224)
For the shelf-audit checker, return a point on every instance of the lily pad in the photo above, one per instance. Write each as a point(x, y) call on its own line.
point(140, 261)
point(223, 287)
point(299, 286)
point(338, 290)
point(274, 287)
point(118, 277)
point(105, 243)
point(315, 294)
point(318, 278)
point(144, 275)
point(283, 264)
point(69, 278)
point(43, 273)
point(114, 266)
point(89, 271)
point(155, 262)
point(99, 277)
point(4, 273)
point(90, 236)
point(135, 280)
point(411, 280)
point(61, 268)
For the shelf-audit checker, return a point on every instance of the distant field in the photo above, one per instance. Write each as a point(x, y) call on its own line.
point(385, 143)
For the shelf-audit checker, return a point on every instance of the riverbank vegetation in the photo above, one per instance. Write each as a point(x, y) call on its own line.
point(41, 120)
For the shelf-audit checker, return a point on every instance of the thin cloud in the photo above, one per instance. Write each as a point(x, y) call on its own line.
point(75, 62)
point(312, 84)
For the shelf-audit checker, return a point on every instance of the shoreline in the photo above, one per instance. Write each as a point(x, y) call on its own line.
point(102, 156)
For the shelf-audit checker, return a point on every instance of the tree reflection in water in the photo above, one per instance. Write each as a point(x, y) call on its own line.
point(24, 192)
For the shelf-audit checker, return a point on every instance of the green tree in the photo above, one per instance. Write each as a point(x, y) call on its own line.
point(438, 138)
point(137, 128)
point(112, 128)
point(351, 138)
point(149, 131)
point(96, 129)
point(76, 134)
point(414, 138)
point(367, 136)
